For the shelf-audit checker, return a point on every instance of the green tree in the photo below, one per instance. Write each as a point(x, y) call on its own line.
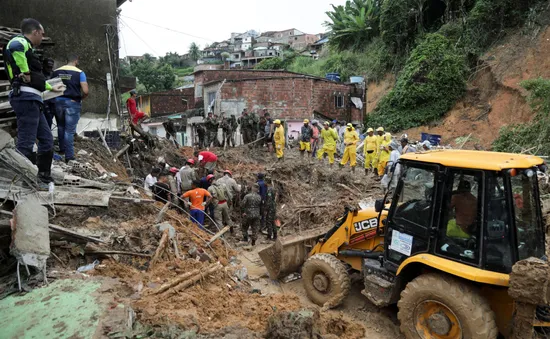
point(155, 76)
point(194, 51)
point(352, 26)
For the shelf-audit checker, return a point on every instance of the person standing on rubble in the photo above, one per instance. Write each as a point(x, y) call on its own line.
point(173, 185)
point(243, 121)
point(24, 71)
point(369, 150)
point(49, 105)
point(151, 179)
point(268, 132)
point(270, 207)
point(384, 156)
point(379, 139)
point(233, 188)
point(135, 115)
point(329, 136)
point(315, 137)
point(211, 125)
point(161, 189)
point(263, 193)
point(186, 176)
point(227, 129)
point(220, 204)
point(350, 152)
point(251, 214)
point(197, 202)
point(305, 138)
point(279, 138)
point(69, 105)
point(201, 134)
point(234, 125)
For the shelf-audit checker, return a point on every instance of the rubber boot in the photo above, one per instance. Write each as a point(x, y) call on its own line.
point(32, 158)
point(253, 242)
point(302, 153)
point(366, 171)
point(353, 169)
point(376, 171)
point(44, 164)
point(341, 166)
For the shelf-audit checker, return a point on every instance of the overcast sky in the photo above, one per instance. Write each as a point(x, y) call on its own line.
point(206, 21)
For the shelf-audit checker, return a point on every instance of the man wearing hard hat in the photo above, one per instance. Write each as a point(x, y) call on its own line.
point(369, 150)
point(279, 139)
point(379, 138)
point(305, 138)
point(351, 138)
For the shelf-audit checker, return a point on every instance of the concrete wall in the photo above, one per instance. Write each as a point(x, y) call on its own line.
point(75, 26)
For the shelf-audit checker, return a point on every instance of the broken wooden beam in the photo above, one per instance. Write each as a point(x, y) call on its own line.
point(104, 141)
point(121, 152)
point(110, 252)
point(193, 280)
point(162, 212)
point(136, 200)
point(217, 235)
point(63, 230)
point(176, 281)
point(163, 243)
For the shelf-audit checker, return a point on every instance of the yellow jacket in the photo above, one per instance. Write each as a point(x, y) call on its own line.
point(379, 139)
point(370, 144)
point(329, 136)
point(385, 153)
point(279, 135)
point(350, 137)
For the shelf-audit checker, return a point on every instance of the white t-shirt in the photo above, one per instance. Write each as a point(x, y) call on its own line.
point(149, 182)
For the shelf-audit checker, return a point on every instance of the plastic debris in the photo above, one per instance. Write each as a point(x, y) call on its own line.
point(88, 267)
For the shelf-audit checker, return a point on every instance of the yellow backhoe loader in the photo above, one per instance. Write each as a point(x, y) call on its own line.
point(442, 246)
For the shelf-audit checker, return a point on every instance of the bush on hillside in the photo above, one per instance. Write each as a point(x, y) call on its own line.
point(516, 138)
point(433, 78)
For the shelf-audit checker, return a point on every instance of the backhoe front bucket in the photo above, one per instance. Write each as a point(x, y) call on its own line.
point(289, 253)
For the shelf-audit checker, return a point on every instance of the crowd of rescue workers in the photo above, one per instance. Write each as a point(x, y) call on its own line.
point(209, 201)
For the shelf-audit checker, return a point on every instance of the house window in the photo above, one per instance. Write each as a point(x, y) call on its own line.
point(211, 97)
point(339, 101)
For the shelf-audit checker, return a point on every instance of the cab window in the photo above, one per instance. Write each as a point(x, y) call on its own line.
point(460, 229)
point(416, 197)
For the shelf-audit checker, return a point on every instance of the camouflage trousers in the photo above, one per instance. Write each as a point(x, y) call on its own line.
point(253, 224)
point(270, 224)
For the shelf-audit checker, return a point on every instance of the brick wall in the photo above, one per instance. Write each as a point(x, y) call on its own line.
point(171, 101)
point(290, 98)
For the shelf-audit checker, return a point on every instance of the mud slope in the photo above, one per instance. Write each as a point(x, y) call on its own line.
point(495, 98)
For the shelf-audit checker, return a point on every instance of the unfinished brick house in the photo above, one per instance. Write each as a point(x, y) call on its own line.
point(287, 95)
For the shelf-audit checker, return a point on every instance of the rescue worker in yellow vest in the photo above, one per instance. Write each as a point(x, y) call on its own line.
point(329, 137)
point(370, 150)
point(351, 138)
point(379, 137)
point(279, 138)
point(305, 137)
point(384, 154)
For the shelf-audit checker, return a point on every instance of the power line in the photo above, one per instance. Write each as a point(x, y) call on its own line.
point(146, 44)
point(168, 29)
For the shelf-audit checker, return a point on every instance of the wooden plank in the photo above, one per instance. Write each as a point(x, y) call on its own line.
point(4, 94)
point(63, 230)
point(5, 105)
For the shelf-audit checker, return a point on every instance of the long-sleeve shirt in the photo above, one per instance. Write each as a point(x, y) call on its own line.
point(350, 137)
point(329, 136)
point(263, 189)
point(370, 144)
point(279, 136)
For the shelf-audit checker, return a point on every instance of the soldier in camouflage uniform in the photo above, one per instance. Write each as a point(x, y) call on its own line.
point(227, 129)
point(271, 214)
point(233, 123)
point(211, 125)
point(251, 214)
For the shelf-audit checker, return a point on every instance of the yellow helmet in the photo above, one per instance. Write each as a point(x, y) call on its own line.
point(306, 121)
point(349, 125)
point(370, 130)
point(277, 121)
point(327, 123)
point(380, 129)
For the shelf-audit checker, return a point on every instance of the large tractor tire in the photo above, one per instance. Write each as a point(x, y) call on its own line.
point(326, 279)
point(435, 306)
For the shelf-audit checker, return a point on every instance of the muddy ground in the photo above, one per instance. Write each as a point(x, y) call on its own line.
point(223, 303)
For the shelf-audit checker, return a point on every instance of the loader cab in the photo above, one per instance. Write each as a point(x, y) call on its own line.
point(487, 218)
